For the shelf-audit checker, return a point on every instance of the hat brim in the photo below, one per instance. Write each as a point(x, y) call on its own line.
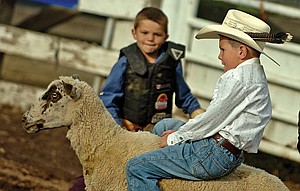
point(214, 32)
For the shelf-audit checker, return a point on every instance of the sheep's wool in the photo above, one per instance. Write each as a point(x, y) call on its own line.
point(104, 148)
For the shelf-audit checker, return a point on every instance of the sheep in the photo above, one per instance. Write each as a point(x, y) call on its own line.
point(103, 147)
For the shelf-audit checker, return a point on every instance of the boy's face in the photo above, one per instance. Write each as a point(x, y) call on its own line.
point(149, 36)
point(229, 55)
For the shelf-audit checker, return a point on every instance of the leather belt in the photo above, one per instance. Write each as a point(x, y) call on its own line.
point(226, 144)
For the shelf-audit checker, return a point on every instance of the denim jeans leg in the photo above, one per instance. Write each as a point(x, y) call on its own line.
point(217, 163)
point(199, 160)
point(144, 171)
point(167, 124)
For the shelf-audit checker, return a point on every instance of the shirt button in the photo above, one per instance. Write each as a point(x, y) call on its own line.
point(181, 138)
point(172, 142)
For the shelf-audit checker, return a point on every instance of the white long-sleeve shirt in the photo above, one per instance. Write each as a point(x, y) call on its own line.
point(239, 110)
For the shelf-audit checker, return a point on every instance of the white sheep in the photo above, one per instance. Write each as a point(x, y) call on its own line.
point(103, 147)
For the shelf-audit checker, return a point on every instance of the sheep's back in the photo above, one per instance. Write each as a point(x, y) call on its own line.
point(245, 178)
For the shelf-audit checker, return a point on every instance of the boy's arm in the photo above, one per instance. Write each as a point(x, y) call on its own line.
point(112, 91)
point(197, 112)
point(230, 93)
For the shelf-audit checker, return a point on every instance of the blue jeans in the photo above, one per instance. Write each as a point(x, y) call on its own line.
point(203, 159)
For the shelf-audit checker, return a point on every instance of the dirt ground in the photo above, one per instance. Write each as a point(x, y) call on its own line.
point(38, 162)
point(45, 161)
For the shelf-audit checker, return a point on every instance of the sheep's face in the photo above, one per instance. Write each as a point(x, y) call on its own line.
point(53, 109)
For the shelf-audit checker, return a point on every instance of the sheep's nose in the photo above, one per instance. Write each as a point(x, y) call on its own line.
point(24, 121)
point(24, 118)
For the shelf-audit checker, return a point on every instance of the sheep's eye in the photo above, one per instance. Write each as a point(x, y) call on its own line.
point(55, 96)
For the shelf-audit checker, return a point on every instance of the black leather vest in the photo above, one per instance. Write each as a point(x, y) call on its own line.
point(149, 88)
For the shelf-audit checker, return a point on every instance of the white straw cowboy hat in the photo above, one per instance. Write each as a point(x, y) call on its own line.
point(246, 29)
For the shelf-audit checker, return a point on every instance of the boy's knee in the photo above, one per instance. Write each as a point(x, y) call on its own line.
point(132, 167)
point(167, 124)
point(159, 127)
point(129, 164)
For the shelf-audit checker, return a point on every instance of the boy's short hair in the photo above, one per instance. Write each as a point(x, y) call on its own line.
point(236, 44)
point(153, 14)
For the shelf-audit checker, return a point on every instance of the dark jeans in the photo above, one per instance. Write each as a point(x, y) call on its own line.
point(78, 185)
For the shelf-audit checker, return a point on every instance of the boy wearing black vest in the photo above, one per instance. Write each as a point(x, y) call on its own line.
point(139, 90)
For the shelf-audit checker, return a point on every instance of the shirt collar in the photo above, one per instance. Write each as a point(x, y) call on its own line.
point(162, 52)
point(250, 61)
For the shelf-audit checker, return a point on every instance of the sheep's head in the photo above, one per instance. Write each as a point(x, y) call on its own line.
point(54, 108)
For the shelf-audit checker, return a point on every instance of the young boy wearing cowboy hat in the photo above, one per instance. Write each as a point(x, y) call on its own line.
point(212, 144)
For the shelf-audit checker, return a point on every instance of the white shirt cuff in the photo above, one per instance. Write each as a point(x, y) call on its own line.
point(174, 139)
point(170, 139)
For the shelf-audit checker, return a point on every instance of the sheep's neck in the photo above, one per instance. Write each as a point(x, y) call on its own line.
point(91, 129)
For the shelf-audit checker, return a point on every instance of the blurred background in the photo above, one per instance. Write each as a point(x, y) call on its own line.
point(43, 39)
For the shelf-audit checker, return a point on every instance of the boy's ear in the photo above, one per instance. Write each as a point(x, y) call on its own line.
point(243, 51)
point(133, 31)
point(167, 36)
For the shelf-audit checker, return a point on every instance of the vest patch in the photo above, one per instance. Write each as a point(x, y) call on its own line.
point(159, 116)
point(176, 53)
point(163, 86)
point(161, 102)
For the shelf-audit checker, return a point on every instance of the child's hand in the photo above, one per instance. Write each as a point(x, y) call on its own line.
point(197, 112)
point(164, 138)
point(130, 126)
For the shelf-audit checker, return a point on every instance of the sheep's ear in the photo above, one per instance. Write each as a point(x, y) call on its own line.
point(76, 77)
point(72, 91)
